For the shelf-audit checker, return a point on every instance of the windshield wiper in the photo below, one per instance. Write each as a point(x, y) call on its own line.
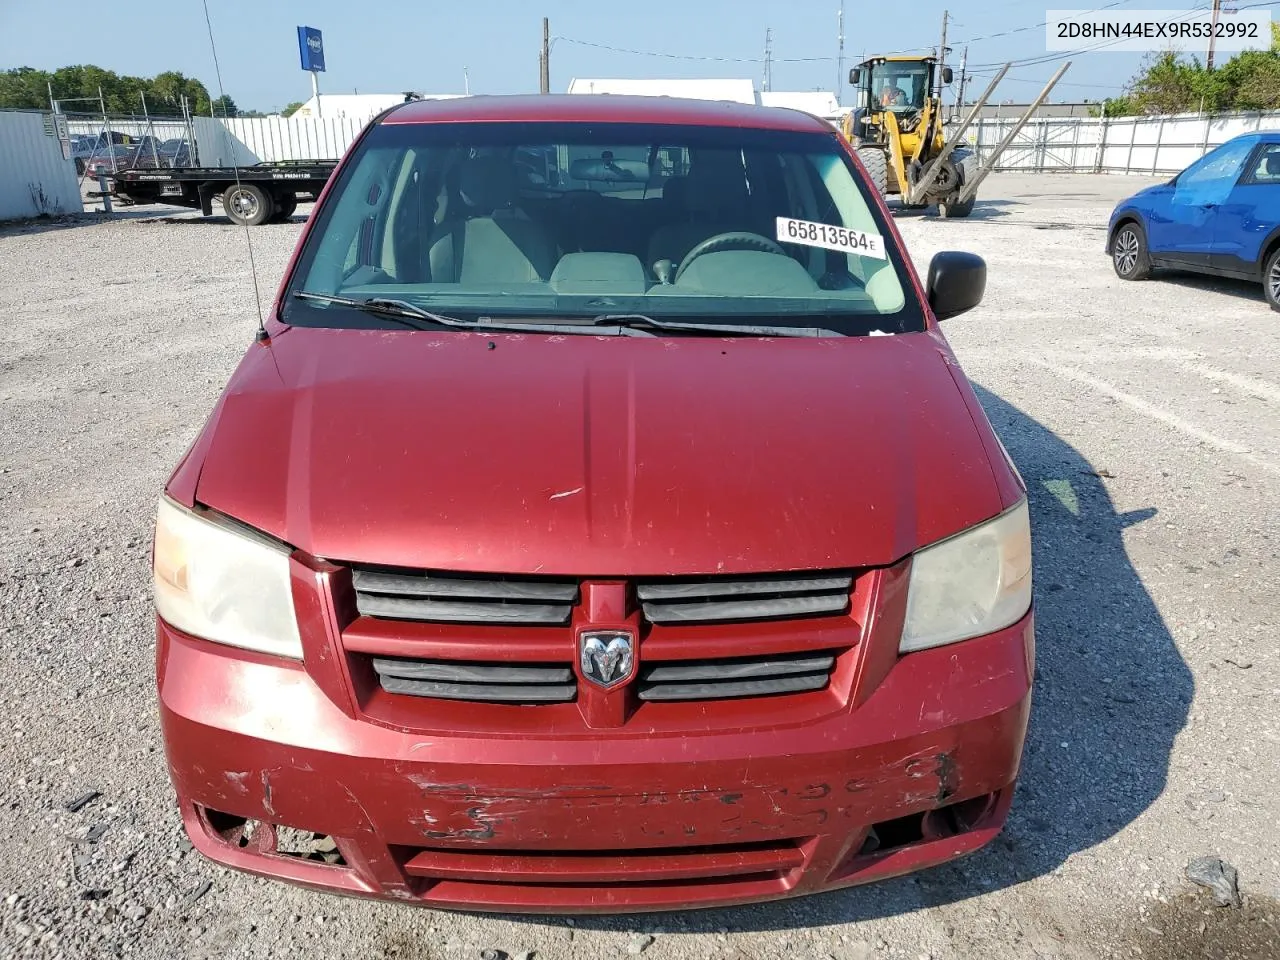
point(716, 329)
point(406, 313)
point(419, 319)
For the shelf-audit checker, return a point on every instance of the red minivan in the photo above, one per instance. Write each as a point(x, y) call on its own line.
point(600, 523)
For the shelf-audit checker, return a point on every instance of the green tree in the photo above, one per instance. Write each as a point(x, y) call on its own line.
point(224, 106)
point(24, 88)
point(82, 84)
point(1166, 84)
point(1170, 83)
point(291, 108)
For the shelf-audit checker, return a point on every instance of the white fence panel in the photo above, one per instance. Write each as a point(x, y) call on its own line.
point(35, 178)
point(1152, 146)
point(249, 140)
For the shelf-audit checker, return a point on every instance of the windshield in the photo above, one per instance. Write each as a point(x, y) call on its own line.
point(570, 221)
point(900, 87)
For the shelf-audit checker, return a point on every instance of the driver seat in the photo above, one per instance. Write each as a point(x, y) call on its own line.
point(716, 200)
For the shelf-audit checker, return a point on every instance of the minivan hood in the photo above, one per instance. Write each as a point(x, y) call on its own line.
point(597, 455)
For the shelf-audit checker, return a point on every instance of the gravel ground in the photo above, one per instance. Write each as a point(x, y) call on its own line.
point(1143, 417)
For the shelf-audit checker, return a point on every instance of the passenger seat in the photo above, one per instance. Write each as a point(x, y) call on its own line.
point(491, 242)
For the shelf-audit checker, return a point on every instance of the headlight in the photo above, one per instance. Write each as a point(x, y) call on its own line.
point(221, 582)
point(971, 584)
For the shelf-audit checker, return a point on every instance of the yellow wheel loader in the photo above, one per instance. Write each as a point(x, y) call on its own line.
point(896, 128)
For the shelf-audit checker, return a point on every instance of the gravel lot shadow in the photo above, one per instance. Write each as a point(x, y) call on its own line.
point(1199, 281)
point(982, 210)
point(1112, 693)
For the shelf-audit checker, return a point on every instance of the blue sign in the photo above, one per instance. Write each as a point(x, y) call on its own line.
point(311, 48)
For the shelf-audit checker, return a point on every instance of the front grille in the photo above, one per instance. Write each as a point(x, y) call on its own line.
point(754, 598)
point(745, 677)
point(480, 682)
point(609, 867)
point(440, 598)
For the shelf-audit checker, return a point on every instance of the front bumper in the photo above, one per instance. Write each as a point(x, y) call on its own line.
point(919, 771)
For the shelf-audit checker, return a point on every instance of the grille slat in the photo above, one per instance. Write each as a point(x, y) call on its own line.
point(733, 588)
point(372, 581)
point(445, 611)
point(745, 609)
point(470, 672)
point(724, 670)
point(738, 678)
point(477, 682)
point(763, 598)
point(733, 688)
point(433, 598)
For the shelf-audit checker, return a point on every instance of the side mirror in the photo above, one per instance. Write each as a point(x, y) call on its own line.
point(854, 76)
point(947, 75)
point(957, 282)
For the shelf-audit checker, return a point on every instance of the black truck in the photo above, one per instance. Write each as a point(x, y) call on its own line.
point(261, 193)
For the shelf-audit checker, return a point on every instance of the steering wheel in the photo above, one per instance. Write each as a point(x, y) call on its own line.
point(728, 241)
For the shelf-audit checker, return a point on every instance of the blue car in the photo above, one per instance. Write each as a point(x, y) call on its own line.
point(1220, 216)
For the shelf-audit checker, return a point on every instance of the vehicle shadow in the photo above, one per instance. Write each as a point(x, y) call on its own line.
point(1244, 289)
point(1111, 694)
point(982, 210)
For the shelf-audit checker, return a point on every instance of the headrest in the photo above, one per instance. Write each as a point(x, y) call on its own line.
point(716, 182)
point(1273, 164)
point(488, 183)
point(676, 190)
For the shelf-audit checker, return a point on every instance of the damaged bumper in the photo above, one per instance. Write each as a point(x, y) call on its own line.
point(919, 771)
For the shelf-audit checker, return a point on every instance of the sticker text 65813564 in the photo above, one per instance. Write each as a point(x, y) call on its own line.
point(842, 239)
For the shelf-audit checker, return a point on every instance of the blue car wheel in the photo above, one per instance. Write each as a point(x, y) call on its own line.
point(1271, 280)
point(1129, 253)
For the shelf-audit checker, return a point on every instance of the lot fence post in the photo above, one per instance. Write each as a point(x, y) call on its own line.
point(106, 193)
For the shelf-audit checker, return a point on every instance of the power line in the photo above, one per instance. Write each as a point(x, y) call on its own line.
point(1037, 26)
point(1038, 60)
point(1055, 57)
point(1061, 83)
point(711, 59)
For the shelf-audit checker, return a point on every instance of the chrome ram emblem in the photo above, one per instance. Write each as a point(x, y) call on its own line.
point(606, 657)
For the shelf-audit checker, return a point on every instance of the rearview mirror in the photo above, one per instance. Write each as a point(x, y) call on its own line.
point(854, 76)
point(946, 74)
point(957, 281)
point(609, 170)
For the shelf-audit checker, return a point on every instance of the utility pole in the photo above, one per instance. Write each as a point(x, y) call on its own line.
point(544, 73)
point(840, 77)
point(768, 58)
point(964, 58)
point(466, 81)
point(1217, 9)
point(942, 54)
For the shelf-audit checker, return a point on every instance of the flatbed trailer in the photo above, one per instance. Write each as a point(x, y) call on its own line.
point(252, 195)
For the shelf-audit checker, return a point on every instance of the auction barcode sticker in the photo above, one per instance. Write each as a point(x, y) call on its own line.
point(824, 235)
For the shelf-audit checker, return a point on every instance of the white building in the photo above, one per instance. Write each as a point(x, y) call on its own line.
point(820, 103)
point(358, 106)
point(735, 91)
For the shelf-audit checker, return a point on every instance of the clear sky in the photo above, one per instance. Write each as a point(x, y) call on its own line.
point(388, 46)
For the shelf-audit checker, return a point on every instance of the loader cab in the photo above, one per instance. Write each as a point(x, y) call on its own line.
point(900, 84)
